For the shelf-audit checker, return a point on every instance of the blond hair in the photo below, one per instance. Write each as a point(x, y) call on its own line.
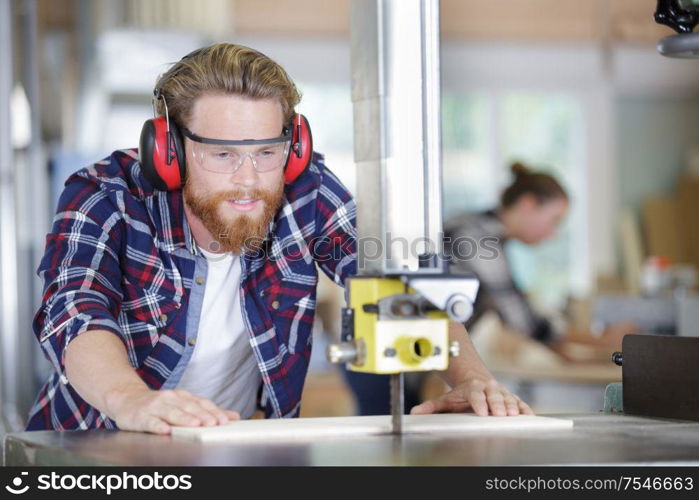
point(224, 68)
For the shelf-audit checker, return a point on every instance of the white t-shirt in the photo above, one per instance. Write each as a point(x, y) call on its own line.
point(223, 367)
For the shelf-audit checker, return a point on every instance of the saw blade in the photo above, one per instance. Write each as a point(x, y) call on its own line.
point(396, 403)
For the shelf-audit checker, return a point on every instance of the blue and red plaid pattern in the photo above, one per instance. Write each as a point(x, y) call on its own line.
point(120, 257)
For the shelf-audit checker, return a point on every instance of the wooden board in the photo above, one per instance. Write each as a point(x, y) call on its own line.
point(335, 427)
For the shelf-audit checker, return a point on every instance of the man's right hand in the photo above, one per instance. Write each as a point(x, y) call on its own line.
point(147, 410)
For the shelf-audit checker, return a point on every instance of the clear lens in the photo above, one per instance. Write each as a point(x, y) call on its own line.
point(228, 159)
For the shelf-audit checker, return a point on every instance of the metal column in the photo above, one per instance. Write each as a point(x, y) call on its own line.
point(9, 332)
point(397, 148)
point(33, 211)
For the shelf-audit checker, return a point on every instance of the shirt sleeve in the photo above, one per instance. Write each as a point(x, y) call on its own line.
point(515, 311)
point(335, 244)
point(80, 271)
point(484, 255)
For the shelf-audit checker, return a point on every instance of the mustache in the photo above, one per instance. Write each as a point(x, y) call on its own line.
point(237, 194)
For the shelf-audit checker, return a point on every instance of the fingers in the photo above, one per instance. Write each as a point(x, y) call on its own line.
point(478, 401)
point(221, 415)
point(482, 397)
point(515, 406)
point(486, 397)
point(232, 415)
point(426, 408)
point(459, 406)
point(156, 426)
point(496, 399)
point(158, 411)
point(511, 404)
point(453, 402)
point(524, 408)
point(202, 409)
point(423, 409)
point(502, 402)
point(173, 415)
point(204, 416)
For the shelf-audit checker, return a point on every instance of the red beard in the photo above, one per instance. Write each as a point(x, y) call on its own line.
point(243, 233)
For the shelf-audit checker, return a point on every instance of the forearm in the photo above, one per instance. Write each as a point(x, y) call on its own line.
point(97, 366)
point(467, 364)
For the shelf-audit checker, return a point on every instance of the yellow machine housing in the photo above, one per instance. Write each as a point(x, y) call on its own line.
point(387, 346)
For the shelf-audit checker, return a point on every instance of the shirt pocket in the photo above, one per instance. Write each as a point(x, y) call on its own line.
point(292, 310)
point(286, 280)
point(144, 305)
point(281, 296)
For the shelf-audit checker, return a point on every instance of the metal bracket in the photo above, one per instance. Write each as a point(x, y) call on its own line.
point(454, 295)
point(403, 306)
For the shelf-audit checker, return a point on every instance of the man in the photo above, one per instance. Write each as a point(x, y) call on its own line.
point(194, 306)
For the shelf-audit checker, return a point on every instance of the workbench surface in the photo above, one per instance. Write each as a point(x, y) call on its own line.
point(596, 439)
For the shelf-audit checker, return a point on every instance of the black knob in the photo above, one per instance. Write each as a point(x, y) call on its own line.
point(618, 358)
point(679, 15)
point(370, 308)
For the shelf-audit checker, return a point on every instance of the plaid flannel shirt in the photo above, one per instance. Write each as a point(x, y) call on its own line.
point(120, 257)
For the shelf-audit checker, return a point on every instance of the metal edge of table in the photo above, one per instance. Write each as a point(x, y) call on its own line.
point(596, 439)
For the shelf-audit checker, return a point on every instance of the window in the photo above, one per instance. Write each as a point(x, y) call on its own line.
point(328, 107)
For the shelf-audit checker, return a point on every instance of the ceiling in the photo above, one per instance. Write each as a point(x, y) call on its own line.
point(531, 20)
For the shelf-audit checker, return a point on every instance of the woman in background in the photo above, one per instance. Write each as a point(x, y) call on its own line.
point(531, 210)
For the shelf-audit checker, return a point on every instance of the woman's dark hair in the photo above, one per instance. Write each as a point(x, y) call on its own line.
point(544, 187)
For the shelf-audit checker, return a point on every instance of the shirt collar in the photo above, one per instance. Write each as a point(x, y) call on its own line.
point(174, 231)
point(190, 244)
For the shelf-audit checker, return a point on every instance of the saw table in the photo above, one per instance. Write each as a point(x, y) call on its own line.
point(595, 439)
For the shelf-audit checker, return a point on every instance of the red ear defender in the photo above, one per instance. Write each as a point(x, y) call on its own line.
point(161, 152)
point(301, 148)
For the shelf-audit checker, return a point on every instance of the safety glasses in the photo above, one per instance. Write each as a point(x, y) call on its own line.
point(225, 156)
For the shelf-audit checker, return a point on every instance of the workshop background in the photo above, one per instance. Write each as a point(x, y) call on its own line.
point(574, 88)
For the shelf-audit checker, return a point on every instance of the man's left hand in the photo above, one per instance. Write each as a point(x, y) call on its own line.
point(482, 395)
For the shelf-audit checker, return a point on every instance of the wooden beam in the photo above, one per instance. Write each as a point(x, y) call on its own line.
point(295, 18)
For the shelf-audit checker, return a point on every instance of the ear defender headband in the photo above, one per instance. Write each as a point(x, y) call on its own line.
point(301, 148)
point(162, 153)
